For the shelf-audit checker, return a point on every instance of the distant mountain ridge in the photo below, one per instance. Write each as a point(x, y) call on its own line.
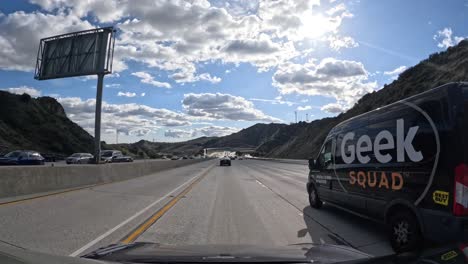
point(41, 123)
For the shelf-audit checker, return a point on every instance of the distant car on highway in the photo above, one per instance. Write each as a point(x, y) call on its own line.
point(79, 158)
point(174, 158)
point(22, 157)
point(225, 161)
point(109, 156)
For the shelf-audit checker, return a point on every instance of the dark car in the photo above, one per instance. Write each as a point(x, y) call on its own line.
point(22, 157)
point(405, 164)
point(122, 158)
point(79, 158)
point(109, 156)
point(225, 161)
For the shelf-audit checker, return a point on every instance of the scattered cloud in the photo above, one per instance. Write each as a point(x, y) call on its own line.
point(223, 106)
point(24, 89)
point(178, 133)
point(126, 94)
point(21, 32)
point(208, 131)
point(334, 108)
point(395, 72)
point(142, 94)
point(215, 131)
point(304, 108)
point(127, 118)
point(148, 79)
point(445, 39)
point(277, 100)
point(344, 80)
point(112, 85)
point(337, 43)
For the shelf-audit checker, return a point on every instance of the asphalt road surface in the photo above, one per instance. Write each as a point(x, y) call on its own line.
point(251, 202)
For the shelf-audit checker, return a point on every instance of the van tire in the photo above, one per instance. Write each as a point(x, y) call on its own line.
point(404, 232)
point(314, 199)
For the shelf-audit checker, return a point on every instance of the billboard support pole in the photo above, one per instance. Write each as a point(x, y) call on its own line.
point(97, 119)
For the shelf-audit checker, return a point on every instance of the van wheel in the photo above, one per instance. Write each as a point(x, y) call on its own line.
point(404, 232)
point(314, 199)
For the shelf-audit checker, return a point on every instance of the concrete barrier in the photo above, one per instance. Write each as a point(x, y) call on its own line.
point(25, 180)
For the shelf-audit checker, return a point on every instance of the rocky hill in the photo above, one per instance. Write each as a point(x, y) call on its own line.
point(39, 124)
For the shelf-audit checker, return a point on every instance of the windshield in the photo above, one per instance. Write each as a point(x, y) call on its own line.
point(256, 123)
point(107, 153)
point(13, 154)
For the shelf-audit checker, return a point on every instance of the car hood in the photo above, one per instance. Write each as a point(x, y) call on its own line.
point(152, 252)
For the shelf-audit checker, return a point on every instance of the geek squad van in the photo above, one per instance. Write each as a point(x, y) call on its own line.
point(405, 164)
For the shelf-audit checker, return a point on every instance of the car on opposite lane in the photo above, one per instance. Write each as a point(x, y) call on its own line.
point(22, 157)
point(109, 156)
point(79, 158)
point(225, 161)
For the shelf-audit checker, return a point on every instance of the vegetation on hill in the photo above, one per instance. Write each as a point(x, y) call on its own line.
point(39, 124)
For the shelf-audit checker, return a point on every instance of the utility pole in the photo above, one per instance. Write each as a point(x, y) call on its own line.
point(307, 117)
point(295, 114)
point(116, 136)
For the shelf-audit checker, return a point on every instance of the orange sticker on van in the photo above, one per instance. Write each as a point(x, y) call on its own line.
point(440, 197)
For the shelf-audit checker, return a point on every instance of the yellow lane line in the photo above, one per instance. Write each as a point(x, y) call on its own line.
point(155, 217)
point(51, 194)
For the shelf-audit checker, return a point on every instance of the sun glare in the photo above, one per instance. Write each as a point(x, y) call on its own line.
point(314, 26)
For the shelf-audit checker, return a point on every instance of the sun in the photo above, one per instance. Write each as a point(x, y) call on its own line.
point(315, 26)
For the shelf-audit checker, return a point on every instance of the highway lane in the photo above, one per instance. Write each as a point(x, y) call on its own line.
point(261, 202)
point(251, 202)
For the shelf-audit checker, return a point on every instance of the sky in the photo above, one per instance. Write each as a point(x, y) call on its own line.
point(186, 69)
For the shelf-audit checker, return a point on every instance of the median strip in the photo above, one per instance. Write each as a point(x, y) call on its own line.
point(156, 216)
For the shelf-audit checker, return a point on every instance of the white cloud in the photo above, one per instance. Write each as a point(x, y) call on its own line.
point(126, 94)
point(277, 100)
point(334, 108)
point(214, 131)
point(223, 106)
point(337, 43)
point(445, 39)
point(148, 79)
point(24, 89)
point(20, 33)
point(176, 36)
point(395, 72)
point(344, 80)
point(304, 108)
point(208, 131)
point(178, 133)
point(104, 11)
point(127, 118)
point(112, 85)
point(142, 94)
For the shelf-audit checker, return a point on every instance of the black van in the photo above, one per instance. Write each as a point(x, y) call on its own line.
point(405, 164)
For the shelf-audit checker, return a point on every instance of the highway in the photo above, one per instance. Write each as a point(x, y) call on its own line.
point(252, 202)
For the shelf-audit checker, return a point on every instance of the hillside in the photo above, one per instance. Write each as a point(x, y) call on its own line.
point(303, 140)
point(39, 124)
point(440, 68)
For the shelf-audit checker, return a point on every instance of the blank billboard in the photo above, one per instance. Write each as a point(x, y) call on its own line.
point(75, 54)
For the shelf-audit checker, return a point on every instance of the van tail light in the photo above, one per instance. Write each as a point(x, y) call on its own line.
point(460, 201)
point(464, 248)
